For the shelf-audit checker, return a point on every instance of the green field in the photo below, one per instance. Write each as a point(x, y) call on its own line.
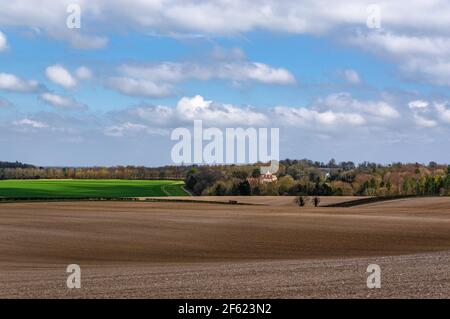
point(89, 188)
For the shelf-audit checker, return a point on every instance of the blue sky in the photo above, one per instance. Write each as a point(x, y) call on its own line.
point(110, 92)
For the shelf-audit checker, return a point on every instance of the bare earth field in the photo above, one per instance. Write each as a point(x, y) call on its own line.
point(263, 200)
point(203, 250)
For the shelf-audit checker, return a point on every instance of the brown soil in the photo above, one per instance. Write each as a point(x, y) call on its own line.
point(138, 249)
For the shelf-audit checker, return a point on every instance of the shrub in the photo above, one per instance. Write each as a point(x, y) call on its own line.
point(301, 200)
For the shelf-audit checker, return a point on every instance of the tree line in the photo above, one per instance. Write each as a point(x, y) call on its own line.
point(307, 178)
point(19, 170)
point(295, 177)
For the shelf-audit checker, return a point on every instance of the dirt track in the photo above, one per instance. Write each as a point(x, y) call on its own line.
point(205, 250)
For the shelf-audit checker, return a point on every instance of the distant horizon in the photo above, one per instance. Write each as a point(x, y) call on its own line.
point(225, 164)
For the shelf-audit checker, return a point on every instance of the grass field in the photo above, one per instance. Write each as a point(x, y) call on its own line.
point(89, 188)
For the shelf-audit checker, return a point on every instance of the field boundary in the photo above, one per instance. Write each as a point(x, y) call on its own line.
point(64, 199)
point(187, 191)
point(372, 200)
point(5, 200)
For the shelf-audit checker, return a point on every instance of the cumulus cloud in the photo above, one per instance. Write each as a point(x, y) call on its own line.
point(132, 129)
point(223, 70)
point(188, 109)
point(86, 42)
point(352, 77)
point(213, 17)
point(400, 44)
point(422, 121)
point(304, 117)
point(430, 114)
point(337, 111)
point(159, 79)
point(30, 123)
point(197, 108)
point(3, 42)
point(83, 73)
point(139, 87)
point(12, 83)
point(52, 21)
point(340, 113)
point(338, 122)
point(157, 115)
point(333, 112)
point(59, 75)
point(189, 16)
point(418, 105)
point(420, 109)
point(345, 102)
point(443, 112)
point(62, 102)
point(418, 40)
point(425, 57)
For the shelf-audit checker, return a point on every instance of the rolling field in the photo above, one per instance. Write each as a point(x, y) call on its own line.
point(192, 250)
point(89, 188)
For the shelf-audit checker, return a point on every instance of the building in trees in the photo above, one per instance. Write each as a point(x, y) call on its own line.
point(262, 179)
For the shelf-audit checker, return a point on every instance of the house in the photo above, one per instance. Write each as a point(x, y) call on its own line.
point(262, 179)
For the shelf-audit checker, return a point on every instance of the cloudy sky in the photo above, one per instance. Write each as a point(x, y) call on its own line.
point(338, 79)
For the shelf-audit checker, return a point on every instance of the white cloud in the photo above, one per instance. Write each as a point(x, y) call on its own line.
point(344, 102)
point(443, 112)
point(382, 109)
point(197, 108)
point(427, 116)
point(425, 57)
point(431, 70)
point(401, 45)
point(10, 82)
point(352, 77)
point(429, 19)
point(334, 112)
point(259, 72)
point(3, 42)
point(212, 17)
point(30, 123)
point(159, 114)
point(86, 42)
point(418, 40)
point(61, 101)
point(139, 87)
point(304, 117)
point(158, 79)
point(83, 73)
point(59, 75)
point(423, 121)
point(219, 17)
point(193, 108)
point(131, 129)
point(418, 105)
point(241, 70)
point(419, 109)
point(341, 112)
